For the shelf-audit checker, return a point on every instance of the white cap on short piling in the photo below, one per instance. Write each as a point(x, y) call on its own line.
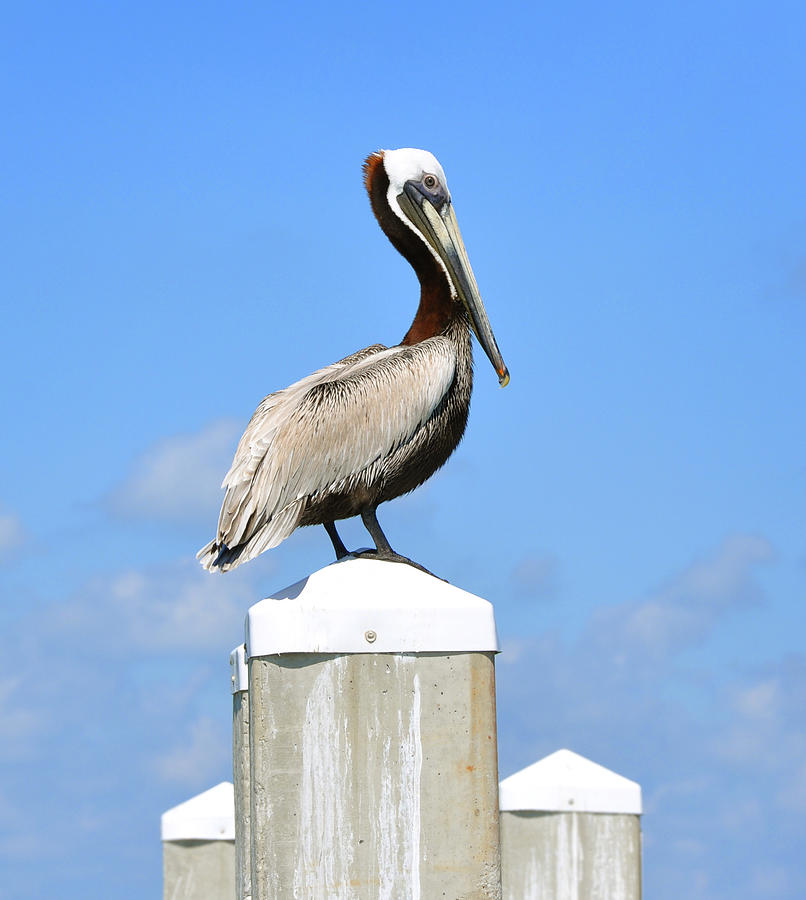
point(370, 606)
point(209, 816)
point(567, 782)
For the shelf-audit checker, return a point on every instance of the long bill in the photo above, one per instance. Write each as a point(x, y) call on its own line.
point(441, 230)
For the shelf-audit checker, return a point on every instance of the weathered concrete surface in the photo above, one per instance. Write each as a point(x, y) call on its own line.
point(374, 776)
point(198, 870)
point(240, 773)
point(570, 856)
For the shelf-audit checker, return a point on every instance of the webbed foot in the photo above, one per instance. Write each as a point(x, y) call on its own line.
point(391, 556)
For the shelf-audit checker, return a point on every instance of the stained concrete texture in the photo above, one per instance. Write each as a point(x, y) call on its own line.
point(198, 870)
point(374, 776)
point(570, 856)
point(241, 781)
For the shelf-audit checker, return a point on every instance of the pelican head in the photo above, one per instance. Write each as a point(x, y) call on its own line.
point(418, 195)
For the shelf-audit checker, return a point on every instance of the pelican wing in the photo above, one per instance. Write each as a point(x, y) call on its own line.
point(323, 433)
point(271, 411)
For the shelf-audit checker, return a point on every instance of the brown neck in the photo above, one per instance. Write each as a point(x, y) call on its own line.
point(437, 307)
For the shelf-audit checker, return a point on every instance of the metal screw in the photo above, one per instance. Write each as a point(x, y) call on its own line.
point(370, 636)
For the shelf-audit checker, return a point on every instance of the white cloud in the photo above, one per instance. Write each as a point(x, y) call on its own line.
point(721, 763)
point(686, 788)
point(766, 733)
point(512, 650)
point(792, 795)
point(535, 575)
point(197, 758)
point(770, 881)
point(179, 478)
point(20, 725)
point(760, 701)
point(686, 609)
point(12, 533)
point(172, 607)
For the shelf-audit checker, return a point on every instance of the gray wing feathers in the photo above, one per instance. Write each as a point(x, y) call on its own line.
point(322, 432)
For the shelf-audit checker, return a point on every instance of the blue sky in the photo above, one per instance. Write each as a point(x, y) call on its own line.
point(184, 230)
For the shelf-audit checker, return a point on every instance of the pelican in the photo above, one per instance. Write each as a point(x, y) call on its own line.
point(378, 423)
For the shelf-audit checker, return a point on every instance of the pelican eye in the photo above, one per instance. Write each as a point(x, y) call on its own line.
point(431, 182)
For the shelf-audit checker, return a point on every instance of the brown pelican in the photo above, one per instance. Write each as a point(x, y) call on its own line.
point(378, 423)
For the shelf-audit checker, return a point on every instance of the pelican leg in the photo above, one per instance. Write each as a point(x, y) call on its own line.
point(338, 544)
point(370, 521)
point(383, 549)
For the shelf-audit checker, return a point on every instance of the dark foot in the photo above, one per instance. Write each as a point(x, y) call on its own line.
point(391, 556)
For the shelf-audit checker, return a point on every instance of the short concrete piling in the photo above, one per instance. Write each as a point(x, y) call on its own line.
point(239, 679)
point(570, 830)
point(198, 854)
point(373, 738)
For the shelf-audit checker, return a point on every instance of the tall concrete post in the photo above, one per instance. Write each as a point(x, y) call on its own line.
point(570, 830)
point(198, 853)
point(373, 738)
point(239, 680)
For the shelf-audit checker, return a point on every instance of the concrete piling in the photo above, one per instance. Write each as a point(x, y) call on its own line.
point(198, 852)
point(570, 830)
point(373, 738)
point(239, 679)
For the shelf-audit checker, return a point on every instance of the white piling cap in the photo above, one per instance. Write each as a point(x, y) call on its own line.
point(239, 674)
point(209, 816)
point(567, 782)
point(370, 606)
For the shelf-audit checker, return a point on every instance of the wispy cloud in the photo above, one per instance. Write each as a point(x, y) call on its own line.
point(684, 610)
point(615, 672)
point(163, 608)
point(722, 764)
point(179, 478)
point(120, 690)
point(535, 576)
point(766, 730)
point(12, 533)
point(197, 757)
point(20, 725)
